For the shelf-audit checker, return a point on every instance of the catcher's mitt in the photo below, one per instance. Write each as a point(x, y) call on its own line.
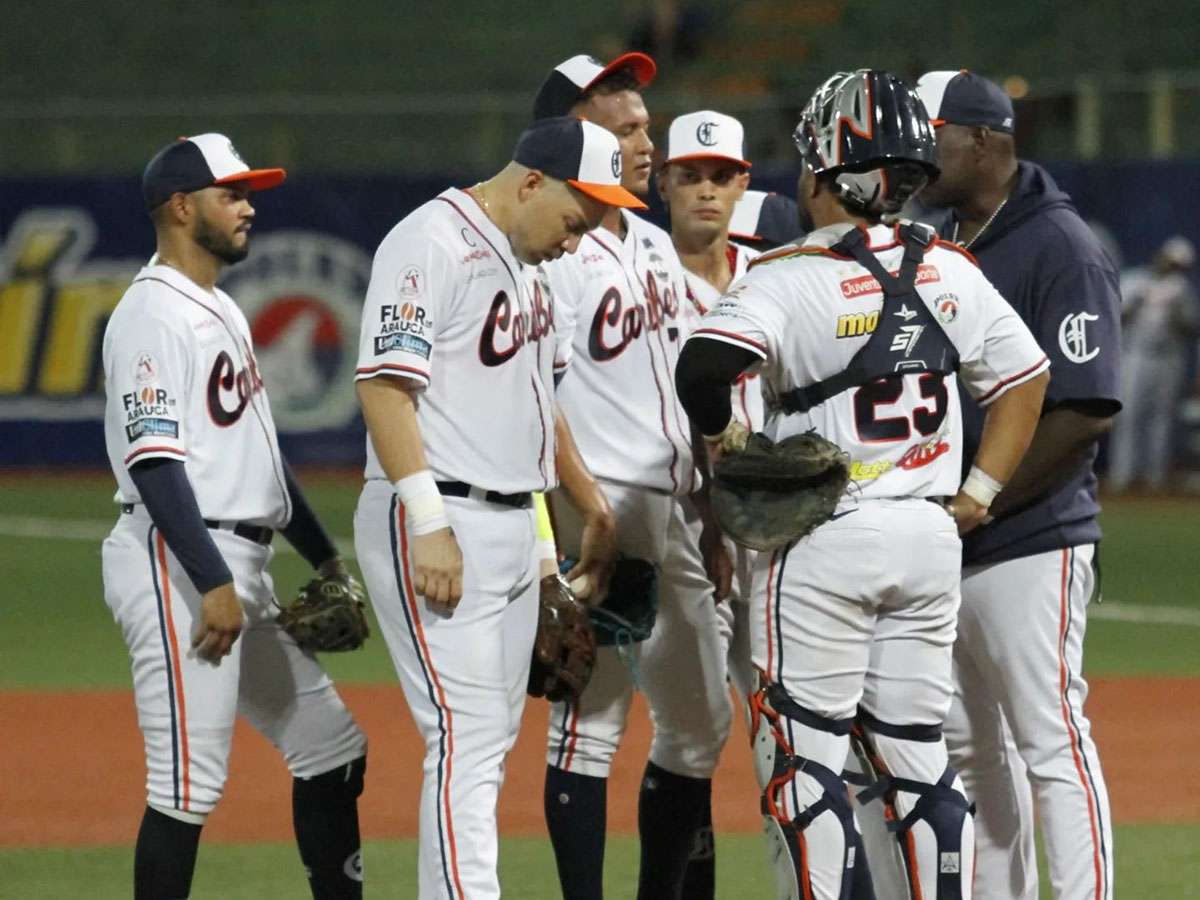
point(564, 650)
point(772, 494)
point(328, 615)
point(630, 608)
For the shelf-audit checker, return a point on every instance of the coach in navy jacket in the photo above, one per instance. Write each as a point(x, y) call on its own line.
point(1030, 573)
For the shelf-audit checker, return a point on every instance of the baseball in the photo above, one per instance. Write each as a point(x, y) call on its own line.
point(581, 587)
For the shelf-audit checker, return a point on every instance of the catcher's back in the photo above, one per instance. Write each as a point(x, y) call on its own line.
point(811, 311)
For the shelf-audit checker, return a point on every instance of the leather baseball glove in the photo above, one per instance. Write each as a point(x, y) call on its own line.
point(328, 615)
point(564, 651)
point(772, 494)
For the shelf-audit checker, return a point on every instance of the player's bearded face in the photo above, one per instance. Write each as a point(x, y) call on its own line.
point(222, 223)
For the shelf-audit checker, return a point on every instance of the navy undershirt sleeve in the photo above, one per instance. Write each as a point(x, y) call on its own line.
point(703, 374)
point(169, 499)
point(304, 532)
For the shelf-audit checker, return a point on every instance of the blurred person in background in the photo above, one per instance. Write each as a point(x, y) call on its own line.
point(1160, 317)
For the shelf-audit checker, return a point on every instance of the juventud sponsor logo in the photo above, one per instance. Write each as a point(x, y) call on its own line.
point(864, 285)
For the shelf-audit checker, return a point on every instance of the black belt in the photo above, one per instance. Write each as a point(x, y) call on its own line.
point(260, 534)
point(462, 489)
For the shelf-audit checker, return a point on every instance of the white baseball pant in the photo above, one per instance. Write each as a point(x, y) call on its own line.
point(186, 707)
point(464, 675)
point(1018, 668)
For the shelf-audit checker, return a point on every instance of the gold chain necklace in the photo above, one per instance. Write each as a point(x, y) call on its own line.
point(967, 244)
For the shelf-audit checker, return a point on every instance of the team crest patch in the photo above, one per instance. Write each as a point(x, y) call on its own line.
point(145, 369)
point(950, 864)
point(945, 307)
point(411, 282)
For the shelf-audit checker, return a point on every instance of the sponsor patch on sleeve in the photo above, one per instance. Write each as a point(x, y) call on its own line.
point(152, 427)
point(409, 343)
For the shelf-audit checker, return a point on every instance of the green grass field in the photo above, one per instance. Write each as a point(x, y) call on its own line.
point(1170, 870)
point(56, 633)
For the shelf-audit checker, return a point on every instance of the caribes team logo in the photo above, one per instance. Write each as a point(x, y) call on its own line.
point(302, 295)
point(1073, 337)
point(706, 134)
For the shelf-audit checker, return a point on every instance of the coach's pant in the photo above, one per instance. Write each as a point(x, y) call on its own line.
point(464, 674)
point(1018, 668)
point(680, 667)
point(186, 707)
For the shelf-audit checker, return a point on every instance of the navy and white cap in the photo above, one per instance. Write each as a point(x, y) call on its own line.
point(568, 81)
point(582, 154)
point(706, 135)
point(194, 163)
point(964, 98)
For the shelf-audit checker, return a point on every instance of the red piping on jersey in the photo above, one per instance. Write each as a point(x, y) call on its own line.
point(674, 406)
point(374, 370)
point(179, 701)
point(420, 630)
point(1076, 750)
point(136, 453)
point(758, 348)
point(1032, 370)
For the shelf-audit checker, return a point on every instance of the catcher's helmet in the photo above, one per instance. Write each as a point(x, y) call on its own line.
point(871, 131)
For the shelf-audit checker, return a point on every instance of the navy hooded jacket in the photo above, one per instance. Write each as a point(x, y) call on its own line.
point(1047, 263)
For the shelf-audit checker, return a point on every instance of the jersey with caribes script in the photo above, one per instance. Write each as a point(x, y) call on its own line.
point(747, 390)
point(182, 383)
point(620, 308)
point(805, 312)
point(451, 308)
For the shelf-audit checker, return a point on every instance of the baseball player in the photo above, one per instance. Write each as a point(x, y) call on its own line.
point(764, 220)
point(703, 182)
point(202, 488)
point(455, 377)
point(859, 333)
point(1029, 574)
point(621, 314)
point(1160, 321)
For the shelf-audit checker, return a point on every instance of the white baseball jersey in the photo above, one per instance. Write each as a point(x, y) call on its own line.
point(183, 384)
point(747, 390)
point(621, 324)
point(451, 308)
point(806, 312)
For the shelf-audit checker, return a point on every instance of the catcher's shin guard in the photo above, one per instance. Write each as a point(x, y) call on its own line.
point(815, 856)
point(930, 815)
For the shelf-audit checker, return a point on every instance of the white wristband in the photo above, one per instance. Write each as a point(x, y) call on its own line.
point(423, 506)
point(981, 487)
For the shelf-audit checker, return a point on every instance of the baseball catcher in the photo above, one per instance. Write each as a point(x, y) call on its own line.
point(328, 615)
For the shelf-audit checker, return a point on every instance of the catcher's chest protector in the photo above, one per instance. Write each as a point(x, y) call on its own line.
point(908, 338)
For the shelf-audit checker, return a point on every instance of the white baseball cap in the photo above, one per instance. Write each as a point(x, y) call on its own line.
point(194, 163)
point(706, 135)
point(581, 153)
